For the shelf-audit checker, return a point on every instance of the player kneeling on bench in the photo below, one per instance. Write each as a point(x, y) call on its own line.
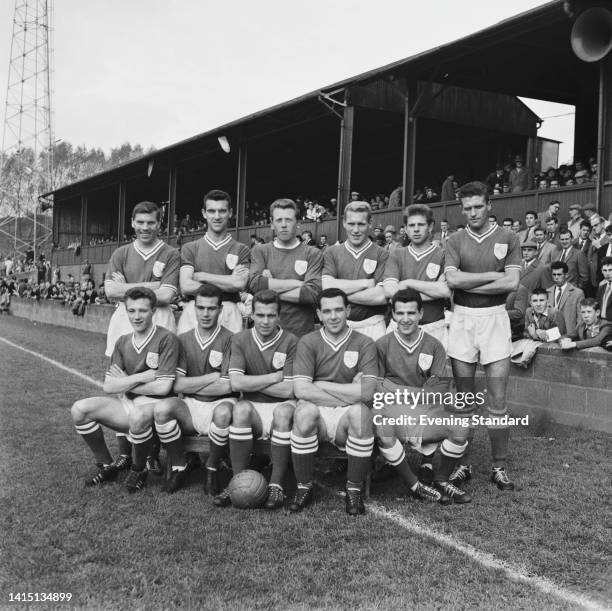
point(202, 377)
point(412, 360)
point(142, 371)
point(261, 368)
point(335, 372)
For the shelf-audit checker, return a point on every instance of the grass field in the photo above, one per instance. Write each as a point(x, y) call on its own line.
point(547, 545)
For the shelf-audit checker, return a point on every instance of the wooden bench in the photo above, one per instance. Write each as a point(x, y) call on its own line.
point(260, 446)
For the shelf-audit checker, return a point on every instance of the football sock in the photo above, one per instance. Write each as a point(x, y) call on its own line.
point(396, 457)
point(281, 453)
point(303, 452)
point(499, 445)
point(219, 439)
point(155, 446)
point(92, 434)
point(169, 434)
point(445, 458)
point(125, 447)
point(142, 446)
point(359, 452)
point(241, 445)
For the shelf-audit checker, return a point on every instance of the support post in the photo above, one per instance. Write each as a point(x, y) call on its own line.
point(241, 185)
point(604, 131)
point(345, 163)
point(171, 200)
point(121, 211)
point(83, 220)
point(408, 165)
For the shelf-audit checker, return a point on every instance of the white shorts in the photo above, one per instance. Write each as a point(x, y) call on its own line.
point(266, 415)
point(480, 335)
point(230, 317)
point(373, 327)
point(201, 412)
point(120, 324)
point(129, 404)
point(438, 329)
point(330, 417)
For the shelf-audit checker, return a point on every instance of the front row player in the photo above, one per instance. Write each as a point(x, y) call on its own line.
point(261, 367)
point(202, 378)
point(142, 371)
point(335, 374)
point(411, 359)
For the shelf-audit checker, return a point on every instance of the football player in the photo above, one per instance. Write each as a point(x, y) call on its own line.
point(202, 378)
point(335, 375)
point(142, 371)
point(261, 368)
point(483, 265)
point(147, 262)
point(357, 267)
point(420, 266)
point(217, 259)
point(288, 267)
point(411, 359)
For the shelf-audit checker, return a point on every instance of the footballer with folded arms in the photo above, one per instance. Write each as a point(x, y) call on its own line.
point(216, 258)
point(141, 373)
point(290, 268)
point(482, 265)
point(420, 266)
point(203, 381)
point(261, 368)
point(335, 377)
point(357, 267)
point(411, 359)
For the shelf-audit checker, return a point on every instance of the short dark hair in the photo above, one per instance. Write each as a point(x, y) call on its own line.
point(589, 302)
point(474, 188)
point(267, 297)
point(492, 216)
point(564, 230)
point(141, 292)
point(551, 218)
point(330, 294)
point(606, 261)
point(539, 229)
point(586, 224)
point(508, 219)
point(539, 290)
point(283, 203)
point(146, 208)
point(210, 290)
point(420, 210)
point(405, 296)
point(532, 212)
point(218, 196)
point(559, 265)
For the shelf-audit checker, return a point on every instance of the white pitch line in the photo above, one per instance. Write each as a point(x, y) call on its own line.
point(488, 561)
point(410, 524)
point(59, 365)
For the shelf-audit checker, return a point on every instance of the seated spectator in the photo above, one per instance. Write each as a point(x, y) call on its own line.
point(542, 323)
point(564, 296)
point(101, 296)
point(496, 180)
point(507, 223)
point(591, 332)
point(431, 196)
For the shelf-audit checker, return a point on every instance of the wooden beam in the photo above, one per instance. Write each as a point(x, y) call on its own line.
point(121, 211)
point(345, 163)
point(171, 199)
point(83, 220)
point(408, 163)
point(241, 186)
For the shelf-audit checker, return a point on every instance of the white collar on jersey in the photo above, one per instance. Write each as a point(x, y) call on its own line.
point(204, 343)
point(409, 347)
point(265, 345)
point(217, 245)
point(147, 255)
point(421, 255)
point(277, 244)
point(357, 253)
point(335, 346)
point(481, 238)
point(139, 347)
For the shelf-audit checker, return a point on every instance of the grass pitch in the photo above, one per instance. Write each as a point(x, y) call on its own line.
point(113, 550)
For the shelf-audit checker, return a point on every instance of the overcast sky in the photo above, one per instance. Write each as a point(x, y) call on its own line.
point(155, 72)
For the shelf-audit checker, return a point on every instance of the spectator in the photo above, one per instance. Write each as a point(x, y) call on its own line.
point(592, 331)
point(323, 242)
point(532, 271)
point(604, 291)
point(552, 230)
point(404, 240)
point(601, 237)
point(390, 242)
point(516, 226)
point(101, 297)
point(448, 189)
point(507, 223)
point(307, 238)
point(496, 180)
point(492, 220)
point(582, 242)
point(519, 177)
point(395, 199)
point(552, 211)
point(527, 234)
point(516, 306)
point(431, 196)
point(8, 265)
point(564, 296)
point(577, 264)
point(440, 237)
point(575, 218)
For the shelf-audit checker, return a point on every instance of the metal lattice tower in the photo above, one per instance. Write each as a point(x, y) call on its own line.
point(27, 137)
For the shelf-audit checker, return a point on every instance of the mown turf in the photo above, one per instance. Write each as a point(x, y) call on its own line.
point(114, 550)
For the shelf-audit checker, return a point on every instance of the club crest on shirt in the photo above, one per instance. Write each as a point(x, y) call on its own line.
point(278, 360)
point(425, 361)
point(369, 266)
point(350, 358)
point(300, 267)
point(500, 250)
point(215, 358)
point(152, 360)
point(231, 260)
point(432, 271)
point(158, 268)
